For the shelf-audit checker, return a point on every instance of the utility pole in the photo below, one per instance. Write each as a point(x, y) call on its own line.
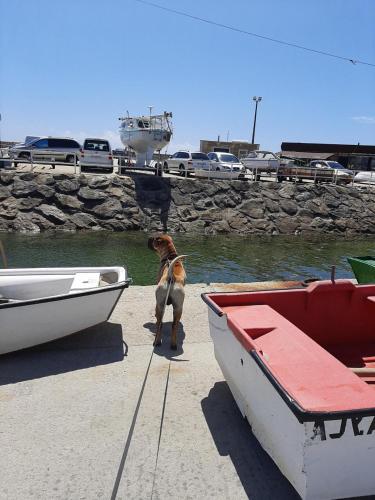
point(257, 100)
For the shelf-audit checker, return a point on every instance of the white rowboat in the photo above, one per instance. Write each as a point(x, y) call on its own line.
point(40, 305)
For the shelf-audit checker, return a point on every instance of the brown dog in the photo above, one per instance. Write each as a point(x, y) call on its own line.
point(171, 272)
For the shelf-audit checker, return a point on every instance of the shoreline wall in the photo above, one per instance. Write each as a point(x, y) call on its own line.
point(35, 202)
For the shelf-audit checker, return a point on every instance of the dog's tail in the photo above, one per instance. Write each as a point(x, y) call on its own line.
point(171, 265)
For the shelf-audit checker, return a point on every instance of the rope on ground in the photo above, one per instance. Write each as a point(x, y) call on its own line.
point(130, 434)
point(161, 428)
point(135, 416)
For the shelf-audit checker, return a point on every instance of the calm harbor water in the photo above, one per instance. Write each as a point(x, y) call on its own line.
point(211, 259)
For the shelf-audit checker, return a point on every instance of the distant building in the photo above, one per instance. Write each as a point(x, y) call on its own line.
point(238, 148)
point(355, 156)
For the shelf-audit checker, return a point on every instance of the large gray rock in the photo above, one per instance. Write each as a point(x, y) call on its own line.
point(92, 194)
point(288, 206)
point(51, 213)
point(43, 223)
point(23, 224)
point(117, 192)
point(23, 188)
point(286, 225)
point(68, 185)
point(46, 179)
point(98, 182)
point(83, 220)
point(288, 191)
point(7, 177)
point(271, 205)
point(28, 176)
point(225, 201)
point(8, 208)
point(67, 201)
point(45, 190)
point(28, 203)
point(4, 192)
point(202, 203)
point(108, 209)
point(187, 214)
point(189, 186)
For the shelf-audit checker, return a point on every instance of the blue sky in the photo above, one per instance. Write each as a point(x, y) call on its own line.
point(73, 67)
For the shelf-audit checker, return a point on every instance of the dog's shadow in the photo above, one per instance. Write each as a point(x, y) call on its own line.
point(165, 348)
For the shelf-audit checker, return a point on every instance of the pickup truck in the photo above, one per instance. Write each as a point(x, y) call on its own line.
point(317, 171)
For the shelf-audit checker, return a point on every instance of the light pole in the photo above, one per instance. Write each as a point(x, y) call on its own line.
point(256, 99)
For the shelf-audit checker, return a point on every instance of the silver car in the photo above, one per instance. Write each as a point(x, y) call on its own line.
point(226, 162)
point(46, 149)
point(185, 162)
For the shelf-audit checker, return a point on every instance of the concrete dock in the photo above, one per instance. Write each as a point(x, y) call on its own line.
point(100, 415)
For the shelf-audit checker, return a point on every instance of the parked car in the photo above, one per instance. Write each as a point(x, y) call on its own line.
point(46, 149)
point(259, 162)
point(119, 152)
point(365, 176)
point(96, 154)
point(318, 171)
point(342, 175)
point(225, 162)
point(185, 162)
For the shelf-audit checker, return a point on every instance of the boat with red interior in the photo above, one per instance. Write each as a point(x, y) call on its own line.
point(301, 366)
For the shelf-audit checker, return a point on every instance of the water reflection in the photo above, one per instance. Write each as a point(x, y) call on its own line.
point(211, 258)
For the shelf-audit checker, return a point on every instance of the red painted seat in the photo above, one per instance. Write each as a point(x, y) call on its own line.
point(308, 372)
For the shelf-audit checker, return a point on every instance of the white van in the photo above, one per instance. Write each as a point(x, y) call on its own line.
point(96, 154)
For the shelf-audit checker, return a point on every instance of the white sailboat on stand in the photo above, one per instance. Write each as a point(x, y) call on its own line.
point(146, 134)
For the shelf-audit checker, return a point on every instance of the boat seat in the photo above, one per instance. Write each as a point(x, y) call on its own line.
point(307, 372)
point(83, 281)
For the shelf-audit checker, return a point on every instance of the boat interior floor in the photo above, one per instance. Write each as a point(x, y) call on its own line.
point(359, 356)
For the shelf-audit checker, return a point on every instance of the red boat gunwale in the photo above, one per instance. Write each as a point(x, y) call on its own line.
point(298, 337)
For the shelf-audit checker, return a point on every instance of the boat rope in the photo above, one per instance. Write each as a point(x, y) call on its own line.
point(130, 434)
point(140, 397)
point(161, 428)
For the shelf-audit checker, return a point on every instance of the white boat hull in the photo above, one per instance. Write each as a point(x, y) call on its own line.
point(324, 458)
point(51, 306)
point(145, 142)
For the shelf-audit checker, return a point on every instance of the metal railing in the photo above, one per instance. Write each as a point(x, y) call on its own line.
point(283, 173)
point(33, 159)
point(315, 175)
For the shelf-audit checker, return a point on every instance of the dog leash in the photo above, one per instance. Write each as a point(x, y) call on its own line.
point(140, 397)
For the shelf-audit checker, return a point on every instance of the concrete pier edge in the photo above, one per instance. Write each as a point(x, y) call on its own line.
point(97, 415)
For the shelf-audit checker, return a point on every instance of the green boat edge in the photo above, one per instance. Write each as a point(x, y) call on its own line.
point(363, 268)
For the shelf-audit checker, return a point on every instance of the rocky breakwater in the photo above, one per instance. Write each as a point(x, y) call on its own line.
point(31, 202)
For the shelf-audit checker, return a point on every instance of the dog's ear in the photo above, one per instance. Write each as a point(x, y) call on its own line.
point(156, 240)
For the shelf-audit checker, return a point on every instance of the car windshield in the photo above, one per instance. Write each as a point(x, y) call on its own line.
point(335, 164)
point(94, 145)
point(228, 158)
point(199, 156)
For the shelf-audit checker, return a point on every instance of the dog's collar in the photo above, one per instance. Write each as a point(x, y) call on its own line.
point(167, 260)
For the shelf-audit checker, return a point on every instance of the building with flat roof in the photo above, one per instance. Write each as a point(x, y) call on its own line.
point(354, 156)
point(237, 148)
